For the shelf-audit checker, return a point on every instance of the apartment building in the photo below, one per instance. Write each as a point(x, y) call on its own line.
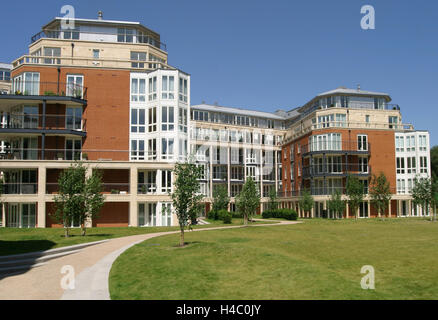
point(104, 93)
point(5, 77)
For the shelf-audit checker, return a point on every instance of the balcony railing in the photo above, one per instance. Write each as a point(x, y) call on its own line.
point(57, 89)
point(112, 37)
point(39, 121)
point(328, 191)
point(20, 188)
point(336, 169)
point(335, 145)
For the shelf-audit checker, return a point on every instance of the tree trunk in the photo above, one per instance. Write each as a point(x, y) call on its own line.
point(181, 238)
point(378, 212)
point(245, 219)
point(66, 232)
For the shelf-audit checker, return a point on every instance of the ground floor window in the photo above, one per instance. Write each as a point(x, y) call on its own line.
point(21, 215)
point(363, 210)
point(155, 214)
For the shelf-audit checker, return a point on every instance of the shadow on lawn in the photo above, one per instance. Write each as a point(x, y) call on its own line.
point(11, 265)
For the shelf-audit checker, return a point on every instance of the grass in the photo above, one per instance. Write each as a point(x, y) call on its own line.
point(318, 259)
point(16, 241)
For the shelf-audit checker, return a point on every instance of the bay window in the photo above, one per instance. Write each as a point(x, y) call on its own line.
point(152, 88)
point(138, 90)
point(167, 148)
point(138, 120)
point(167, 119)
point(167, 87)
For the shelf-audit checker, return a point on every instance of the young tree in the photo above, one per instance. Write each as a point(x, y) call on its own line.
point(306, 202)
point(380, 193)
point(422, 193)
point(434, 197)
point(220, 198)
point(186, 196)
point(79, 198)
point(248, 200)
point(93, 199)
point(69, 202)
point(336, 204)
point(273, 204)
point(355, 193)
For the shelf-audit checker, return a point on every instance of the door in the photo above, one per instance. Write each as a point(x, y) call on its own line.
point(75, 85)
point(30, 148)
point(363, 210)
point(13, 216)
point(28, 215)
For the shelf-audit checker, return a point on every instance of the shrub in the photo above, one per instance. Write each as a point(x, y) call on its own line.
point(225, 216)
point(213, 215)
point(237, 214)
point(287, 214)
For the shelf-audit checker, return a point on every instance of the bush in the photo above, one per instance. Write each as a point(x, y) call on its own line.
point(213, 215)
point(237, 214)
point(225, 216)
point(287, 214)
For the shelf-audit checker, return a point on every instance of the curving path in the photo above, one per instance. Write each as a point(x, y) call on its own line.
point(92, 266)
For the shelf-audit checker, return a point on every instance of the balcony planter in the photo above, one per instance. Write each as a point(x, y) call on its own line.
point(60, 156)
point(84, 156)
point(114, 191)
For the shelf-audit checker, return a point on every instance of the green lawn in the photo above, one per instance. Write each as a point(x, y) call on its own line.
point(15, 241)
point(317, 259)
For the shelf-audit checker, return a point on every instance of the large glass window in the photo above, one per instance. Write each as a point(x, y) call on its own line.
point(125, 35)
point(138, 59)
point(183, 90)
point(138, 120)
point(182, 119)
point(72, 34)
point(152, 88)
point(168, 87)
point(52, 52)
point(331, 141)
point(152, 119)
point(167, 118)
point(362, 143)
point(137, 150)
point(167, 148)
point(73, 149)
point(166, 181)
point(152, 149)
point(75, 85)
point(138, 90)
point(73, 118)
point(400, 165)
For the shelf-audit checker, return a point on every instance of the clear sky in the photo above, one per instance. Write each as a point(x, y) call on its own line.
point(267, 55)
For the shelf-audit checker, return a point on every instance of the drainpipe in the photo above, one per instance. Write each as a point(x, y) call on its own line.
point(59, 75)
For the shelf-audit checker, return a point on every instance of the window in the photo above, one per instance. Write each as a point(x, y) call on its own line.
point(138, 120)
point(331, 141)
point(400, 143)
point(183, 90)
point(73, 34)
point(96, 53)
point(401, 187)
point(166, 214)
point(152, 119)
point(167, 87)
point(167, 119)
point(182, 119)
point(363, 165)
point(345, 101)
point(393, 122)
point(125, 35)
point(52, 52)
point(411, 165)
point(138, 59)
point(423, 165)
point(341, 120)
point(422, 142)
point(157, 59)
point(137, 150)
point(167, 148)
point(362, 144)
point(75, 85)
point(138, 90)
point(182, 149)
point(166, 181)
point(410, 143)
point(400, 165)
point(367, 118)
point(73, 149)
point(73, 118)
point(5, 75)
point(152, 88)
point(152, 149)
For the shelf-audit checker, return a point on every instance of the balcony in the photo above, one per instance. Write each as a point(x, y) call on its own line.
point(86, 35)
point(335, 147)
point(20, 188)
point(337, 169)
point(147, 188)
point(49, 90)
point(327, 191)
point(34, 123)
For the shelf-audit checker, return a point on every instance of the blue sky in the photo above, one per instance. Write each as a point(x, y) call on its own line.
point(267, 55)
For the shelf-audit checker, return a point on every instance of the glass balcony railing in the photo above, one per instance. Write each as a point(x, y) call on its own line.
point(56, 89)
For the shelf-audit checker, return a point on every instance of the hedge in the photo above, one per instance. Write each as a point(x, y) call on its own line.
point(287, 214)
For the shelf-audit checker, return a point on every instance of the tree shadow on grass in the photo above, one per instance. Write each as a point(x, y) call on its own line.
point(11, 265)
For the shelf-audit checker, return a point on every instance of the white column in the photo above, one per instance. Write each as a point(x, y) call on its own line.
point(41, 205)
point(88, 174)
point(133, 206)
point(369, 209)
point(3, 214)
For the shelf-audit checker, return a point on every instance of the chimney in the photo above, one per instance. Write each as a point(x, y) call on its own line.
point(100, 15)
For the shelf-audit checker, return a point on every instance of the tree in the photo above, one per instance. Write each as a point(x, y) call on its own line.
point(248, 200)
point(220, 198)
point(434, 197)
point(306, 202)
point(79, 198)
point(186, 195)
point(273, 204)
point(434, 162)
point(354, 191)
point(422, 193)
point(69, 202)
point(380, 193)
point(93, 199)
point(336, 204)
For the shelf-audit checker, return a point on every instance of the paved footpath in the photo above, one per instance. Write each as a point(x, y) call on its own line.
point(91, 265)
